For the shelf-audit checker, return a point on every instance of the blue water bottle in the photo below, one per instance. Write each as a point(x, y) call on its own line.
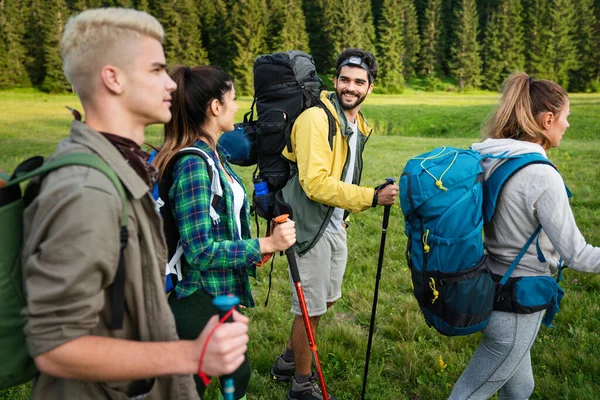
point(224, 304)
point(262, 199)
point(260, 187)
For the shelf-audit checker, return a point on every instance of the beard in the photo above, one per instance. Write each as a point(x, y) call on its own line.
point(352, 105)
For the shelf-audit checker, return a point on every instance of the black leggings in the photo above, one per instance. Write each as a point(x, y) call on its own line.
point(191, 316)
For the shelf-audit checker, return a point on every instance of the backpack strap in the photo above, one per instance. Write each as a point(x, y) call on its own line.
point(117, 288)
point(216, 190)
point(330, 122)
point(518, 258)
point(173, 268)
point(492, 189)
point(493, 185)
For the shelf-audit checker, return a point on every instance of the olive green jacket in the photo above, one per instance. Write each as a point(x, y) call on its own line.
point(70, 257)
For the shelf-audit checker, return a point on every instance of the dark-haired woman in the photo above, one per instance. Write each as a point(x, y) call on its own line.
point(219, 254)
point(531, 118)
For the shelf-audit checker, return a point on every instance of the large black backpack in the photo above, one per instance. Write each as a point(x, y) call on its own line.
point(285, 84)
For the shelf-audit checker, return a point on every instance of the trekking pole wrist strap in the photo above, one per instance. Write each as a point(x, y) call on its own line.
point(375, 198)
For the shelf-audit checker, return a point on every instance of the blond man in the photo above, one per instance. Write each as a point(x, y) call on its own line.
point(115, 61)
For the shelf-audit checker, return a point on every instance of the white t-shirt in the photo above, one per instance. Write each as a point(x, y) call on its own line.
point(335, 224)
point(238, 203)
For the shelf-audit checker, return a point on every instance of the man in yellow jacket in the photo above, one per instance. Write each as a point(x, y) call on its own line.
point(323, 189)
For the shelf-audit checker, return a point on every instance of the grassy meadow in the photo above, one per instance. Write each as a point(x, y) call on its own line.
point(409, 360)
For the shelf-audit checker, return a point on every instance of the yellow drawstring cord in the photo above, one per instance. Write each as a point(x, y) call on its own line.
point(438, 182)
point(426, 247)
point(434, 290)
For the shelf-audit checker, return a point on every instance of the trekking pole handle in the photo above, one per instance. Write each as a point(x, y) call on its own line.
point(224, 304)
point(290, 251)
point(386, 209)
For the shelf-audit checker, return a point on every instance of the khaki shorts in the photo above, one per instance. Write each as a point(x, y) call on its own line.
point(321, 272)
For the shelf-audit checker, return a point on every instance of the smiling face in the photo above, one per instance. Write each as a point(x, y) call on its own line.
point(556, 125)
point(352, 87)
point(149, 87)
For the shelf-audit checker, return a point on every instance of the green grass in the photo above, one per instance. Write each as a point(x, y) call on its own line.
point(405, 355)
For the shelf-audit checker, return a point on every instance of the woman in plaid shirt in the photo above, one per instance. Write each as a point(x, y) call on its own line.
point(219, 255)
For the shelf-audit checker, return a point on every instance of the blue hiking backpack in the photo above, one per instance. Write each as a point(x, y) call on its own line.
point(446, 203)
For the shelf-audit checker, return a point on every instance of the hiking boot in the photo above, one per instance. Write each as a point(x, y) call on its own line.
point(283, 370)
point(309, 390)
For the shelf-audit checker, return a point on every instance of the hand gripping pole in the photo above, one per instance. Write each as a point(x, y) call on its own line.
point(225, 304)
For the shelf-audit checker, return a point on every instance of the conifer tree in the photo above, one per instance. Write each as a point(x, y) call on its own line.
point(448, 36)
point(486, 9)
point(420, 7)
point(504, 48)
point(249, 38)
point(77, 6)
point(538, 38)
point(117, 3)
point(562, 49)
point(53, 17)
point(165, 13)
point(493, 55)
point(319, 42)
point(191, 52)
point(4, 82)
point(33, 42)
point(81, 5)
point(349, 23)
point(365, 13)
point(141, 5)
point(584, 36)
point(513, 39)
point(216, 31)
point(431, 46)
point(597, 44)
point(287, 27)
point(466, 63)
point(390, 48)
point(12, 53)
point(377, 10)
point(412, 43)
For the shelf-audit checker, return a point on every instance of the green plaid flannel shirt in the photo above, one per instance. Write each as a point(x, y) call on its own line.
point(215, 258)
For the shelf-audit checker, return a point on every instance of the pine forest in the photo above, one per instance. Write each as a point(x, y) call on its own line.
point(457, 44)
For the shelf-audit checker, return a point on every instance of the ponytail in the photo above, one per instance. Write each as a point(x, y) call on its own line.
point(196, 88)
point(524, 100)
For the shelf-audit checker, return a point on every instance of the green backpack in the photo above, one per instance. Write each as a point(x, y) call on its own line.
point(17, 366)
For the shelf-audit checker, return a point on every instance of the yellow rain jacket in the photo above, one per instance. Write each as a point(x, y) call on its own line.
point(316, 187)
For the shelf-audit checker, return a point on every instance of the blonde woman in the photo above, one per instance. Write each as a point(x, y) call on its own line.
point(532, 117)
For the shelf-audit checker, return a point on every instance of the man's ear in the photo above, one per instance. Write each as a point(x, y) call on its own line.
point(547, 119)
point(113, 79)
point(370, 88)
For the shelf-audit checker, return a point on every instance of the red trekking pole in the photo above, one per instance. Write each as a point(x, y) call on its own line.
point(291, 257)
